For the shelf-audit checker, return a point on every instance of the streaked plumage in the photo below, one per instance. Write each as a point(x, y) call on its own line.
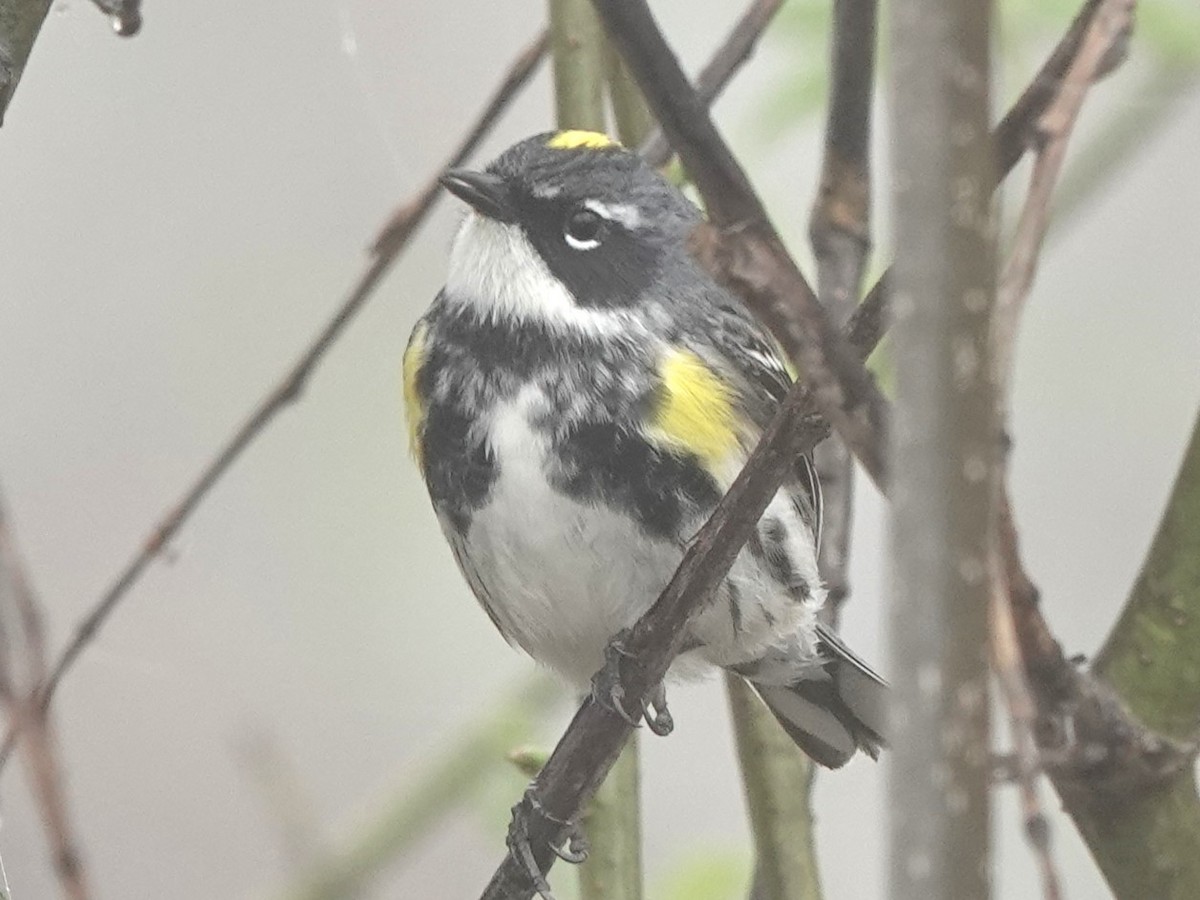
point(579, 397)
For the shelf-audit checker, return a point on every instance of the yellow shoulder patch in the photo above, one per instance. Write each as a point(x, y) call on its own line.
point(414, 409)
point(695, 412)
point(581, 140)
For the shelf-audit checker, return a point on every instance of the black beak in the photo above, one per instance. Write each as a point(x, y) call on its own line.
point(487, 194)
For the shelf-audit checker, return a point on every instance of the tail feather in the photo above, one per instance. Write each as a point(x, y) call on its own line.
point(830, 718)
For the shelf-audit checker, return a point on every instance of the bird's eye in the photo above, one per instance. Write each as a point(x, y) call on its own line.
point(584, 228)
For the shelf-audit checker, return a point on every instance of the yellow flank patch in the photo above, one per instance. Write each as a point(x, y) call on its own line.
point(414, 410)
point(581, 140)
point(696, 411)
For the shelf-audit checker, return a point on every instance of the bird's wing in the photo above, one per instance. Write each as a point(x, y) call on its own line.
point(750, 361)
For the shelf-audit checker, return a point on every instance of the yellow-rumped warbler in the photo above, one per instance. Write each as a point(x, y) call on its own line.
point(579, 396)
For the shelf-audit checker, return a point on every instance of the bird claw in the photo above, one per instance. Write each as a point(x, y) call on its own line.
point(522, 851)
point(658, 716)
point(608, 691)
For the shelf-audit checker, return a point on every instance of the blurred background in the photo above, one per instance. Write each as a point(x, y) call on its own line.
point(178, 214)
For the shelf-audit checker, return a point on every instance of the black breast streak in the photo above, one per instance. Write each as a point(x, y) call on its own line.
point(458, 465)
point(614, 464)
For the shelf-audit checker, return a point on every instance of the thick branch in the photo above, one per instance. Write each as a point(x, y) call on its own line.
point(1152, 656)
point(945, 452)
point(20, 21)
point(577, 50)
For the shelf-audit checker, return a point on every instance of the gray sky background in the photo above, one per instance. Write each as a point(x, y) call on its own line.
point(179, 212)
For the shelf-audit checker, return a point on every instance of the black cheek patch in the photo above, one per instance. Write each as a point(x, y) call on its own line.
point(612, 275)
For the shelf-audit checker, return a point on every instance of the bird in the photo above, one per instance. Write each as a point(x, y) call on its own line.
point(579, 396)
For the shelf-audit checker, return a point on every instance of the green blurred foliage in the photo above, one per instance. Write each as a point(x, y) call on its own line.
point(712, 874)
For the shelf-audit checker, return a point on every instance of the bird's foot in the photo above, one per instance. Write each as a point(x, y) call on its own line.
point(521, 850)
point(609, 692)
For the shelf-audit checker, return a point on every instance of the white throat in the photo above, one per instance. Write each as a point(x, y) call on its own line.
point(495, 269)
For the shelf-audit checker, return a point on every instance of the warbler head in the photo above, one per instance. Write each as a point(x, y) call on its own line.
point(566, 228)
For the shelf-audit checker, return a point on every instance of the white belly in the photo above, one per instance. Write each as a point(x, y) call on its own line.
point(563, 576)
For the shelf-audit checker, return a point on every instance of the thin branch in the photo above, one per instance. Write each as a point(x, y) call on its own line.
point(1109, 30)
point(386, 248)
point(840, 231)
point(1022, 714)
point(1011, 138)
point(740, 246)
point(26, 714)
point(733, 53)
point(1052, 130)
point(1107, 25)
point(1131, 790)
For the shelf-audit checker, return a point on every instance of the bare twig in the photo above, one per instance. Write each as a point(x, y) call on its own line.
point(1107, 32)
point(840, 231)
point(1022, 716)
point(1011, 138)
point(26, 714)
point(386, 248)
point(733, 53)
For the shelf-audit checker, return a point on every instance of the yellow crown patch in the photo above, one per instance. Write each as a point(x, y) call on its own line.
point(581, 140)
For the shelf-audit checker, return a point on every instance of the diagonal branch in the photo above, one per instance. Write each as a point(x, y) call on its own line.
point(387, 247)
point(593, 740)
point(730, 56)
point(1011, 138)
point(20, 21)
